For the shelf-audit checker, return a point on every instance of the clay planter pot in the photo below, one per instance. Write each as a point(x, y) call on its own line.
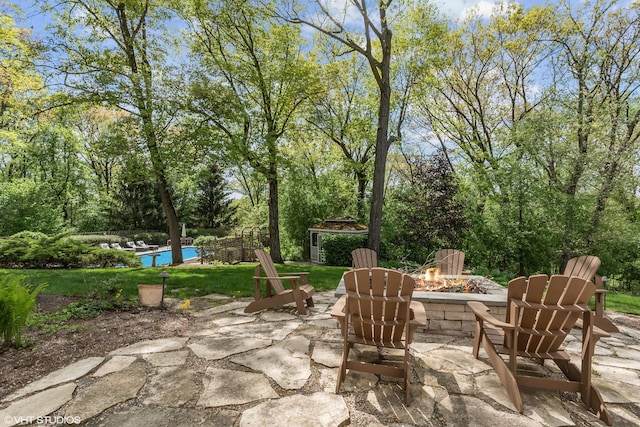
point(151, 295)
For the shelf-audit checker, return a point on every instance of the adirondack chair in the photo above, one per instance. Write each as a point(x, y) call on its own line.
point(536, 328)
point(586, 267)
point(299, 291)
point(450, 261)
point(364, 258)
point(377, 311)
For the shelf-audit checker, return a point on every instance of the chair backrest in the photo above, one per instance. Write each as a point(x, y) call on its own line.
point(378, 302)
point(585, 266)
point(364, 258)
point(549, 324)
point(269, 269)
point(450, 261)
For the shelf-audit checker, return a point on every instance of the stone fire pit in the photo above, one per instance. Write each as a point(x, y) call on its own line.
point(447, 310)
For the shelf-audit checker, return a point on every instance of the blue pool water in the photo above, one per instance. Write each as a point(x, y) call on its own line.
point(164, 257)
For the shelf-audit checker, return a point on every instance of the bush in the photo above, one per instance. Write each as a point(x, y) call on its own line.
point(17, 301)
point(36, 250)
point(337, 247)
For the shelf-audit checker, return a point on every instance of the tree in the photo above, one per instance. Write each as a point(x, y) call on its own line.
point(343, 114)
point(255, 79)
point(431, 217)
point(212, 203)
point(597, 70)
point(117, 54)
point(370, 37)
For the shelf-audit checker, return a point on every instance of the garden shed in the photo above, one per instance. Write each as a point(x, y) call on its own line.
point(332, 225)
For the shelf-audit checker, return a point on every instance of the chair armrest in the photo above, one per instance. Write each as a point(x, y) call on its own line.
point(483, 312)
point(338, 308)
point(276, 277)
point(418, 314)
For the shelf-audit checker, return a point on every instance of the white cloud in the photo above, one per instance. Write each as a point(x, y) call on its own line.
point(458, 10)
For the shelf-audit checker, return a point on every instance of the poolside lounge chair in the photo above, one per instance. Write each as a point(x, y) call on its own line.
point(586, 267)
point(120, 248)
point(377, 311)
point(536, 328)
point(131, 245)
point(300, 290)
point(364, 258)
point(450, 261)
point(144, 246)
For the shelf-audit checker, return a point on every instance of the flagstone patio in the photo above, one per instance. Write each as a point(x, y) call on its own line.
point(276, 368)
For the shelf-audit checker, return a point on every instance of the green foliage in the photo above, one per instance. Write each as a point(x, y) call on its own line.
point(429, 215)
point(27, 205)
point(337, 247)
point(36, 250)
point(213, 207)
point(17, 301)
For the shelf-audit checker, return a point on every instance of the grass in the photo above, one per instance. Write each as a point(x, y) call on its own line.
point(185, 282)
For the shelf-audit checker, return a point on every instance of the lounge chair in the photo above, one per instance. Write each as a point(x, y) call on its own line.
point(131, 245)
point(120, 248)
point(536, 328)
point(450, 261)
point(104, 246)
point(586, 267)
point(300, 290)
point(144, 246)
point(377, 311)
point(364, 258)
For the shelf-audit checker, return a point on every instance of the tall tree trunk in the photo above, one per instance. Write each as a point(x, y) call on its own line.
point(165, 196)
point(274, 216)
point(383, 142)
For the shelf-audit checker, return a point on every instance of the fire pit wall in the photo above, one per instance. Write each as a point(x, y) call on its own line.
point(447, 312)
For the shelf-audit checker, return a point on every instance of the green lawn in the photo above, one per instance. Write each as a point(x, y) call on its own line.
point(185, 282)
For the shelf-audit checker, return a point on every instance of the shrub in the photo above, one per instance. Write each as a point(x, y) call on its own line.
point(35, 250)
point(337, 247)
point(17, 301)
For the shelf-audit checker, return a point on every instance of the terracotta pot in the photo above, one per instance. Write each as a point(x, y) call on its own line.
point(151, 295)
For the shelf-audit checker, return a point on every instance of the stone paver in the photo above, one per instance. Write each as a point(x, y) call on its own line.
point(226, 387)
point(39, 405)
point(277, 368)
point(318, 409)
point(70, 373)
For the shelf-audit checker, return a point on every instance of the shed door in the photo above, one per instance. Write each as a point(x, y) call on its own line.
point(315, 247)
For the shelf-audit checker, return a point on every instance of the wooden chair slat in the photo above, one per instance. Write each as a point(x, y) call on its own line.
point(450, 261)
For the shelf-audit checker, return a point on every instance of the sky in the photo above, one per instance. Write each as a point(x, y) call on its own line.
point(457, 9)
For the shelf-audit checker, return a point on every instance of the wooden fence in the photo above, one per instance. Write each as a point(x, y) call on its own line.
point(235, 249)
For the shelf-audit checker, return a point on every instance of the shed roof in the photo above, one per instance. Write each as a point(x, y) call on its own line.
point(340, 223)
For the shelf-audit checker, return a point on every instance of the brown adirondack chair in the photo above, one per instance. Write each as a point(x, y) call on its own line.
point(364, 258)
point(536, 328)
point(450, 261)
point(299, 291)
point(586, 267)
point(377, 311)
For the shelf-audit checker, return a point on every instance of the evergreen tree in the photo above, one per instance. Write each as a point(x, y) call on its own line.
point(213, 205)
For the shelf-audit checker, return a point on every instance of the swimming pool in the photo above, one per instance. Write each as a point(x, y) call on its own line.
point(164, 257)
